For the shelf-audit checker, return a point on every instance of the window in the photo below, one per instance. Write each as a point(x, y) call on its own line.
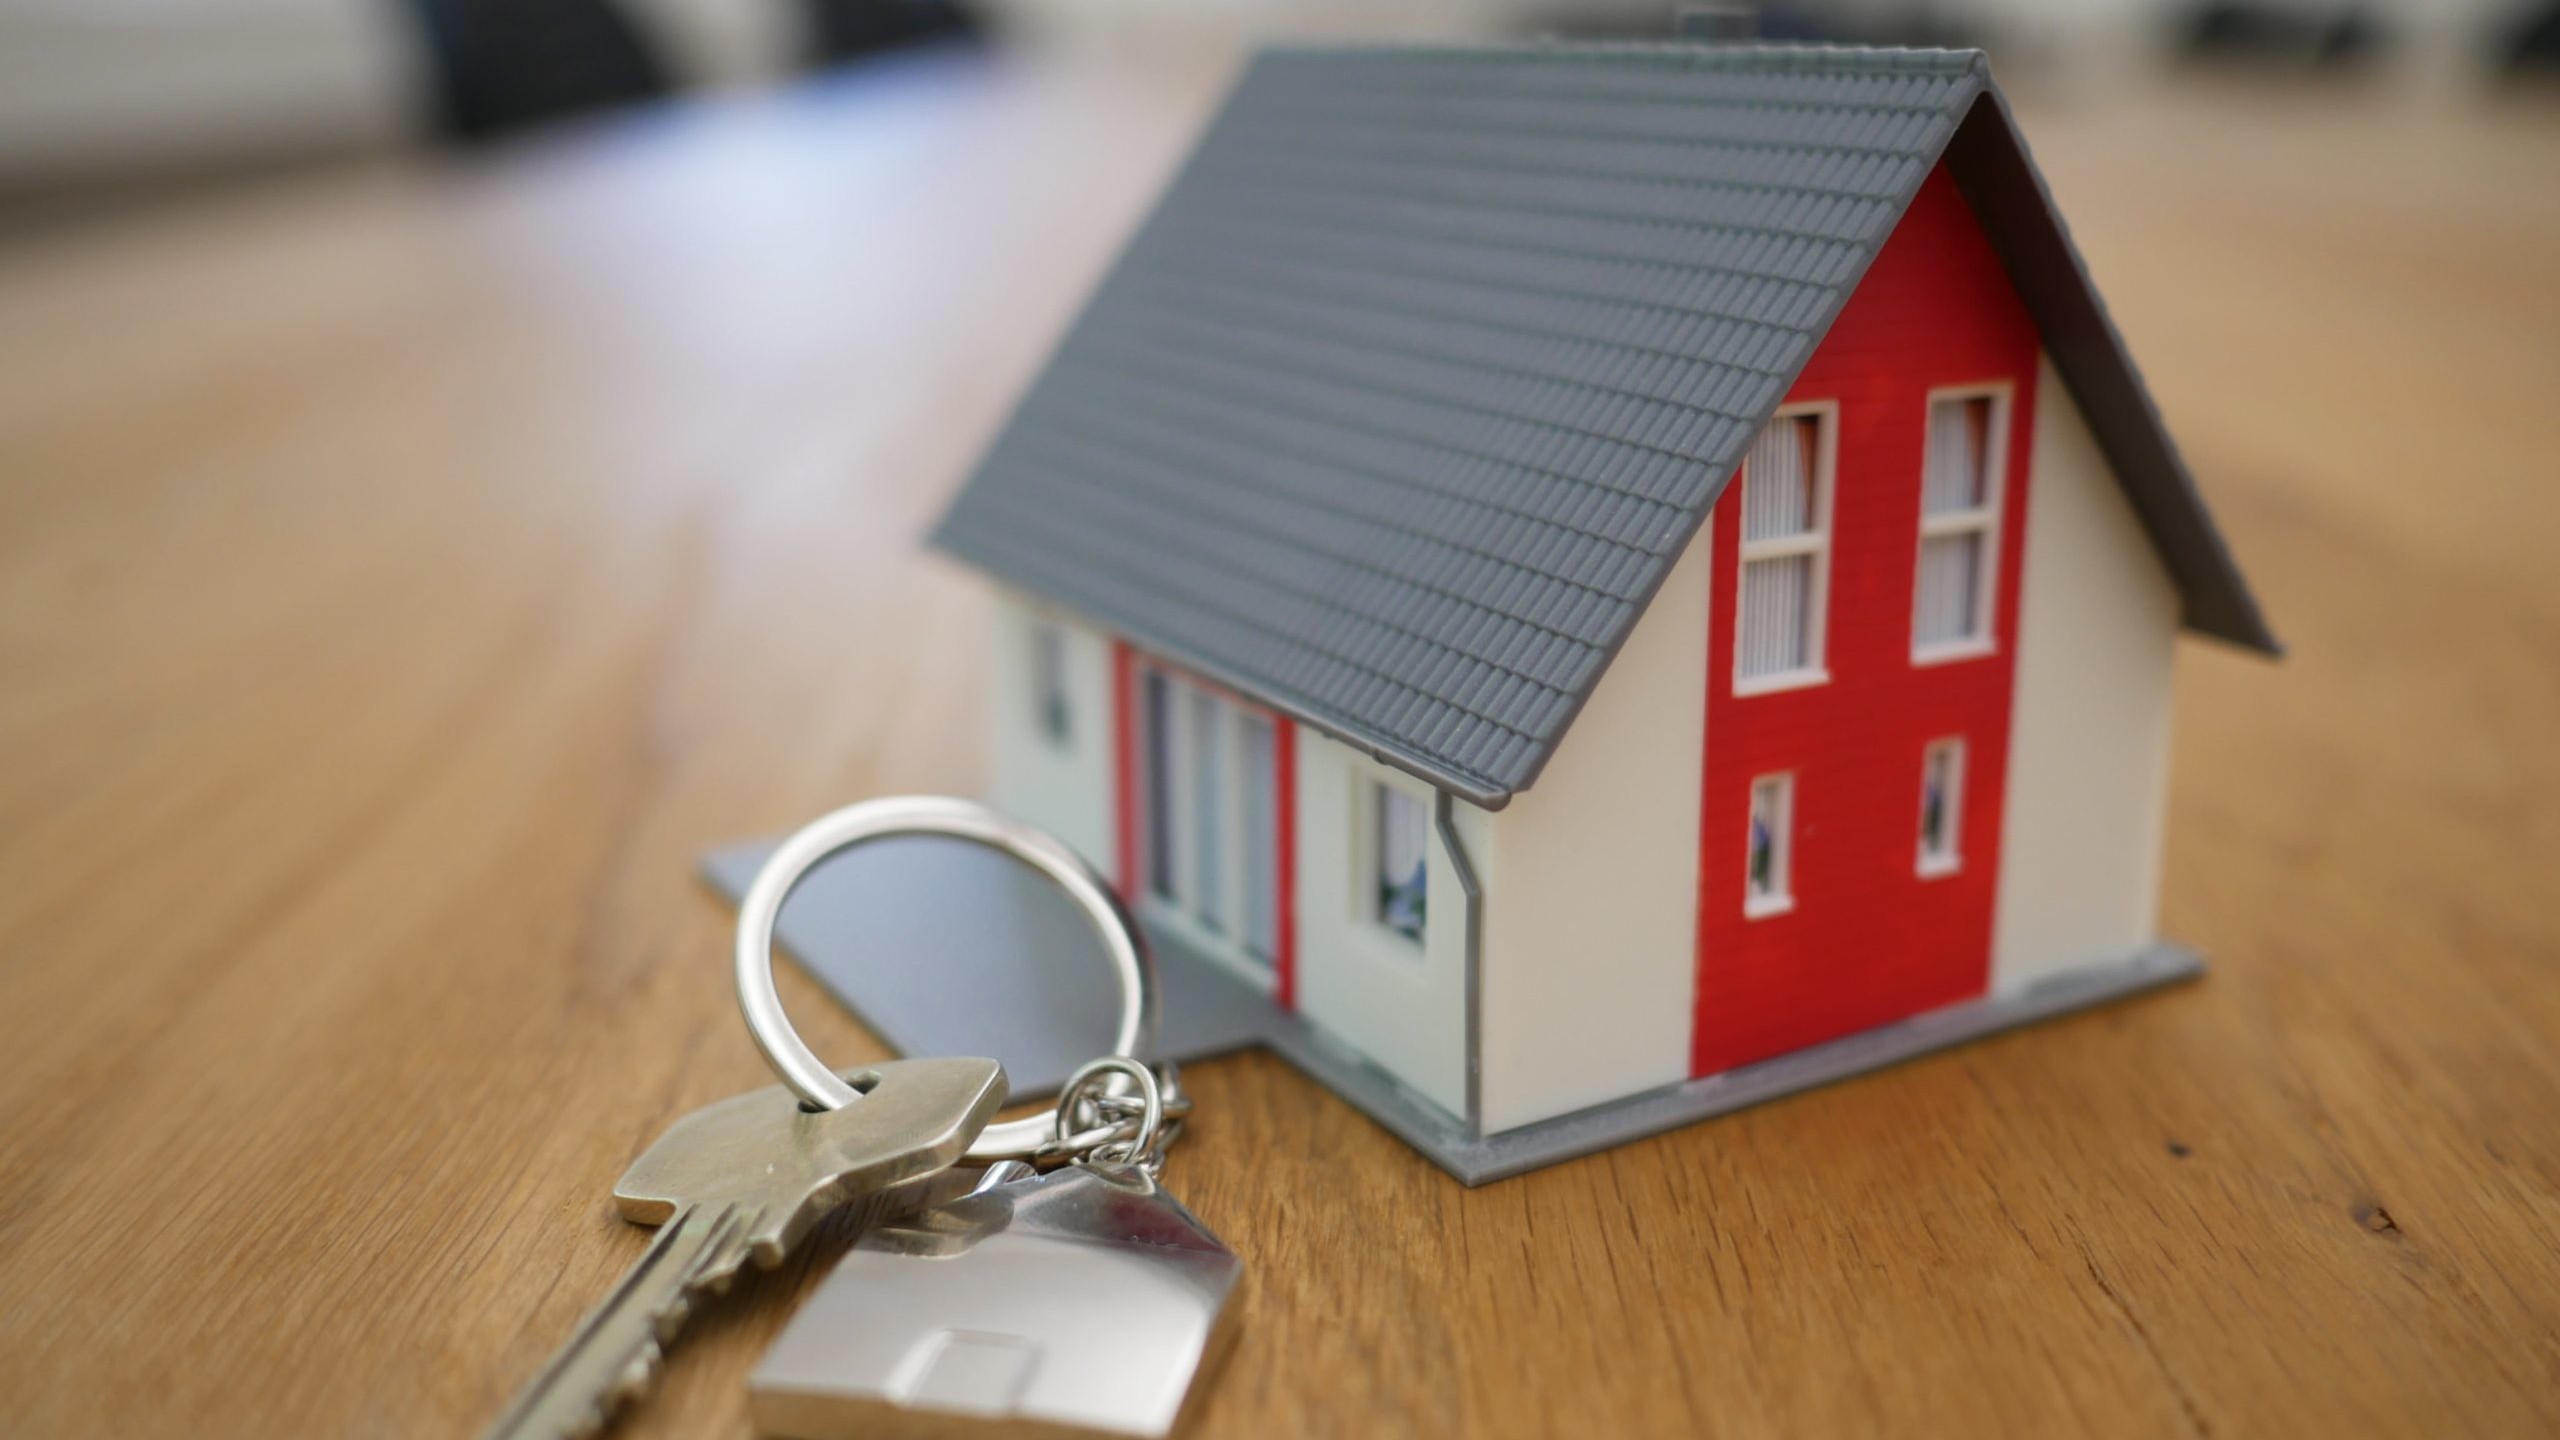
point(1941, 807)
point(1260, 806)
point(1959, 525)
point(1768, 877)
point(1208, 820)
point(1211, 814)
point(1401, 844)
point(1156, 702)
point(1786, 560)
point(1049, 681)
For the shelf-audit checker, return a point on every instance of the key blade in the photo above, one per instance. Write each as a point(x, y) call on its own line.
point(918, 1116)
point(614, 1354)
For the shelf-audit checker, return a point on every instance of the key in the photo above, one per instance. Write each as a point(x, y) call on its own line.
point(746, 1179)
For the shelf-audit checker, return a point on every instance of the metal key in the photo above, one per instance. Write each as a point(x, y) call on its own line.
point(746, 1179)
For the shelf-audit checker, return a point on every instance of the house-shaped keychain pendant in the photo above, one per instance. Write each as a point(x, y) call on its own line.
point(1084, 1301)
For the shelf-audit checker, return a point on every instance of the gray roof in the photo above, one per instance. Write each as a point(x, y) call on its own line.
point(1399, 408)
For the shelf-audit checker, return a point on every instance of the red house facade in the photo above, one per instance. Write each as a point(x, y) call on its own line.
point(1866, 921)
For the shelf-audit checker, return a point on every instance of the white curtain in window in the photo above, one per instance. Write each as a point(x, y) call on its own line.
point(1261, 821)
point(1953, 473)
point(1777, 480)
point(1157, 693)
point(1952, 594)
point(1777, 601)
point(1782, 539)
point(1950, 589)
point(1208, 820)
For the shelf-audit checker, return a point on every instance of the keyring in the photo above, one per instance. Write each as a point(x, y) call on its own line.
point(790, 1056)
point(1092, 1075)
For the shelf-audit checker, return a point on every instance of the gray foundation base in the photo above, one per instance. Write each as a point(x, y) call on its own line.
point(1478, 1159)
point(946, 949)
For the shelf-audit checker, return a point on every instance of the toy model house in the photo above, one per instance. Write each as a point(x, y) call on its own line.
point(1608, 581)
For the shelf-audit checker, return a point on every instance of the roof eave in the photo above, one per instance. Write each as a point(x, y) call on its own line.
point(1991, 163)
point(1477, 790)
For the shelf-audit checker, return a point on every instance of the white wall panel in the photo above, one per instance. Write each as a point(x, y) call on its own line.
point(1064, 787)
point(1400, 1004)
point(1590, 963)
point(2089, 741)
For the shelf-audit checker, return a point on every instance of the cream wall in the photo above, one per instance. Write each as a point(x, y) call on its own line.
point(1401, 1005)
point(1063, 789)
point(2089, 738)
point(1590, 948)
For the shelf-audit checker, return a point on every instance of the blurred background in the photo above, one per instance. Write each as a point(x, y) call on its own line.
point(106, 102)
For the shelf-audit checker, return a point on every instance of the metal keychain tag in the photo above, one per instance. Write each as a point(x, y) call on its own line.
point(1086, 1299)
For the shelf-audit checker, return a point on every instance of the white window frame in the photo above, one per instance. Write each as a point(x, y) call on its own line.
point(1983, 519)
point(1816, 543)
point(1369, 814)
point(1184, 911)
point(1781, 895)
point(1948, 859)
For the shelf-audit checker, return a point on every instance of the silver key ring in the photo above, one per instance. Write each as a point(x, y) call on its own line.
point(790, 1056)
point(1145, 1146)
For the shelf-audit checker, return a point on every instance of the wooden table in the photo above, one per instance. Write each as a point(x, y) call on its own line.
point(404, 573)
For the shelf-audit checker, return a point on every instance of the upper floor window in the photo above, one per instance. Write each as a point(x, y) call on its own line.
point(1400, 842)
point(1786, 553)
point(1959, 524)
point(1941, 807)
point(1049, 682)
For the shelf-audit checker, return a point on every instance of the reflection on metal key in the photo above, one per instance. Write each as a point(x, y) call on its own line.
point(746, 1179)
point(1087, 1299)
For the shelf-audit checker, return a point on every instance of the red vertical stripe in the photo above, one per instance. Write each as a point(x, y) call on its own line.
point(1124, 780)
point(1284, 772)
point(1870, 940)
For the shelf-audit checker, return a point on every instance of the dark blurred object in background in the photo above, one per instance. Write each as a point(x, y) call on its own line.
point(1724, 20)
point(2530, 50)
point(500, 65)
point(841, 30)
point(2246, 34)
point(106, 105)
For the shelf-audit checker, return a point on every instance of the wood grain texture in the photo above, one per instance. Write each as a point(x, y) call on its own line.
point(402, 575)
